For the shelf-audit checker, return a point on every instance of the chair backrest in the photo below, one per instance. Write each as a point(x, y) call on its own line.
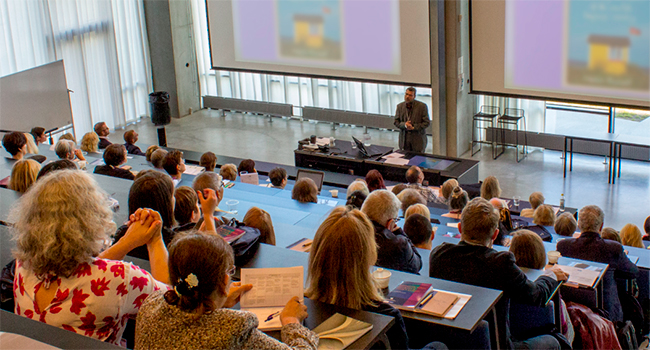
point(490, 110)
point(514, 112)
point(524, 318)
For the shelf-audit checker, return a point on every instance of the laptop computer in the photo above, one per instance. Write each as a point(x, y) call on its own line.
point(317, 176)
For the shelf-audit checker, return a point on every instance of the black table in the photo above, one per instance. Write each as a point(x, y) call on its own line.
point(51, 335)
point(629, 141)
point(601, 138)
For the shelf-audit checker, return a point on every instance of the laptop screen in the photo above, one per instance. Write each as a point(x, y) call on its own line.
point(317, 176)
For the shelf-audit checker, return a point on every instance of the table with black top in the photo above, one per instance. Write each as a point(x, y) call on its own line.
point(607, 138)
point(626, 141)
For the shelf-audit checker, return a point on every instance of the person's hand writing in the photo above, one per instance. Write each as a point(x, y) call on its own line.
point(293, 312)
point(208, 200)
point(235, 293)
point(559, 274)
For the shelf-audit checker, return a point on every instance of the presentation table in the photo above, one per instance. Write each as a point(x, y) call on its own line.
point(628, 141)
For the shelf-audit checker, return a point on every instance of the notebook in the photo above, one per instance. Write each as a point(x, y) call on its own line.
point(340, 331)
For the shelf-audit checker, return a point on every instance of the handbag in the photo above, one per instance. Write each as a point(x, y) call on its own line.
point(246, 245)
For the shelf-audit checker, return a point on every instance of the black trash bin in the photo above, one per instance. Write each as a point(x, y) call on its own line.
point(160, 113)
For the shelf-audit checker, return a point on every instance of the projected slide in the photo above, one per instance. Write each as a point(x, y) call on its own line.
point(341, 34)
point(598, 48)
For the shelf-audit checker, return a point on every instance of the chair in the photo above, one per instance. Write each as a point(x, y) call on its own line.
point(525, 319)
point(511, 118)
point(487, 114)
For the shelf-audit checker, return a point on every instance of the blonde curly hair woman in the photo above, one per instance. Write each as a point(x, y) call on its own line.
point(90, 143)
point(61, 226)
point(23, 175)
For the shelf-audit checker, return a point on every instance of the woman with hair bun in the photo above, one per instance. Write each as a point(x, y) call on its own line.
point(457, 202)
point(195, 314)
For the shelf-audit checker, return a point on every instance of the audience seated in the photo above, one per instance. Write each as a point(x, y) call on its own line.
point(356, 199)
point(130, 138)
point(490, 188)
point(329, 277)
point(62, 279)
point(544, 215)
point(186, 208)
point(228, 172)
point(261, 220)
point(61, 164)
point(158, 158)
point(631, 236)
point(505, 221)
point(418, 228)
point(16, 144)
point(65, 149)
point(395, 251)
point(114, 156)
point(90, 143)
point(174, 165)
point(102, 130)
point(536, 199)
point(446, 189)
point(397, 189)
point(23, 174)
point(247, 165)
point(415, 178)
point(38, 133)
point(409, 197)
point(646, 228)
point(150, 151)
point(457, 201)
point(529, 252)
point(305, 191)
point(154, 191)
point(208, 161)
point(357, 185)
point(196, 314)
point(565, 225)
point(591, 246)
point(31, 144)
point(375, 181)
point(278, 177)
point(611, 234)
point(473, 261)
point(418, 209)
point(68, 136)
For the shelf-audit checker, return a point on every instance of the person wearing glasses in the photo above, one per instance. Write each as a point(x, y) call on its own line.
point(396, 251)
point(195, 313)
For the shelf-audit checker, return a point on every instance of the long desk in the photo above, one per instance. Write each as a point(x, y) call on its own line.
point(628, 141)
point(599, 137)
point(477, 309)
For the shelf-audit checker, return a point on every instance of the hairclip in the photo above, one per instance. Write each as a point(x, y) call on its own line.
point(192, 280)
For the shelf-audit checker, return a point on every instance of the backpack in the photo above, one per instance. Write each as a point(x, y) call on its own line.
point(7, 286)
point(246, 245)
point(626, 335)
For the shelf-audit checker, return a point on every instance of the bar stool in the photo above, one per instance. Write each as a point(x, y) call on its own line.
point(487, 114)
point(511, 118)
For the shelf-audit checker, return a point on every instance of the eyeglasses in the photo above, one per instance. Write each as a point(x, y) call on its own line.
point(231, 271)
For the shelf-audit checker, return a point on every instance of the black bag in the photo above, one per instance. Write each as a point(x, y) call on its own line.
point(626, 335)
point(7, 286)
point(245, 246)
point(633, 312)
point(541, 231)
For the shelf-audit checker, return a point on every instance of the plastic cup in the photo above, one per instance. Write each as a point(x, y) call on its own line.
point(335, 193)
point(515, 200)
point(232, 205)
point(553, 256)
point(382, 278)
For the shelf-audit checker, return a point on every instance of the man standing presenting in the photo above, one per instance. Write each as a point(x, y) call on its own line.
point(412, 118)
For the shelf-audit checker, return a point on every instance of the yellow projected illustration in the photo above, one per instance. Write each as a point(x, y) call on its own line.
point(609, 54)
point(308, 30)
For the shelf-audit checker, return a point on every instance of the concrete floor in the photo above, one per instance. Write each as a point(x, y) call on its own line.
point(253, 136)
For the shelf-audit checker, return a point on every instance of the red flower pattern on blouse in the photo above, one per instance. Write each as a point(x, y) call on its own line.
point(68, 328)
point(139, 300)
point(83, 270)
point(78, 298)
point(101, 264)
point(21, 284)
point(118, 270)
point(121, 290)
point(88, 324)
point(99, 286)
point(139, 282)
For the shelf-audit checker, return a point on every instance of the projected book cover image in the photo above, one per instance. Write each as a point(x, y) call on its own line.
point(310, 30)
point(607, 45)
point(339, 331)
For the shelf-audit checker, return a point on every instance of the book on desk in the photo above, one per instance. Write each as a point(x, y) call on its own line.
point(423, 298)
point(339, 331)
point(581, 274)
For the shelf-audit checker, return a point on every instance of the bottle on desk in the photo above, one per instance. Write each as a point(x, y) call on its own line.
point(562, 202)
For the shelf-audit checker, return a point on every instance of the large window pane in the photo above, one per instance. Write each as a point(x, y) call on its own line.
point(632, 122)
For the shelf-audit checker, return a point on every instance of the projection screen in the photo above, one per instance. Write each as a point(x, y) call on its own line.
point(367, 40)
point(575, 50)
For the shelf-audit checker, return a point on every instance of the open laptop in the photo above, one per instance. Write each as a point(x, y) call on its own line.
point(317, 176)
point(361, 147)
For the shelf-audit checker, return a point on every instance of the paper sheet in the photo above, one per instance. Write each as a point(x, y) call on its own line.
point(193, 169)
point(331, 203)
point(581, 274)
point(393, 155)
point(397, 161)
point(452, 224)
point(460, 303)
point(272, 286)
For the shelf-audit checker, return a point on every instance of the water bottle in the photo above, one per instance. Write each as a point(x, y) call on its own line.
point(562, 202)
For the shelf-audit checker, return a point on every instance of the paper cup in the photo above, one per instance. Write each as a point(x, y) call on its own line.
point(382, 278)
point(553, 256)
point(335, 193)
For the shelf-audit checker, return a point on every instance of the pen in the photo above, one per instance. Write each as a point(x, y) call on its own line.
point(426, 299)
point(271, 316)
point(307, 244)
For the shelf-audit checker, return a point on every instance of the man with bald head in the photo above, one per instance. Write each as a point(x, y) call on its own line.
point(415, 178)
point(474, 261)
point(591, 246)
